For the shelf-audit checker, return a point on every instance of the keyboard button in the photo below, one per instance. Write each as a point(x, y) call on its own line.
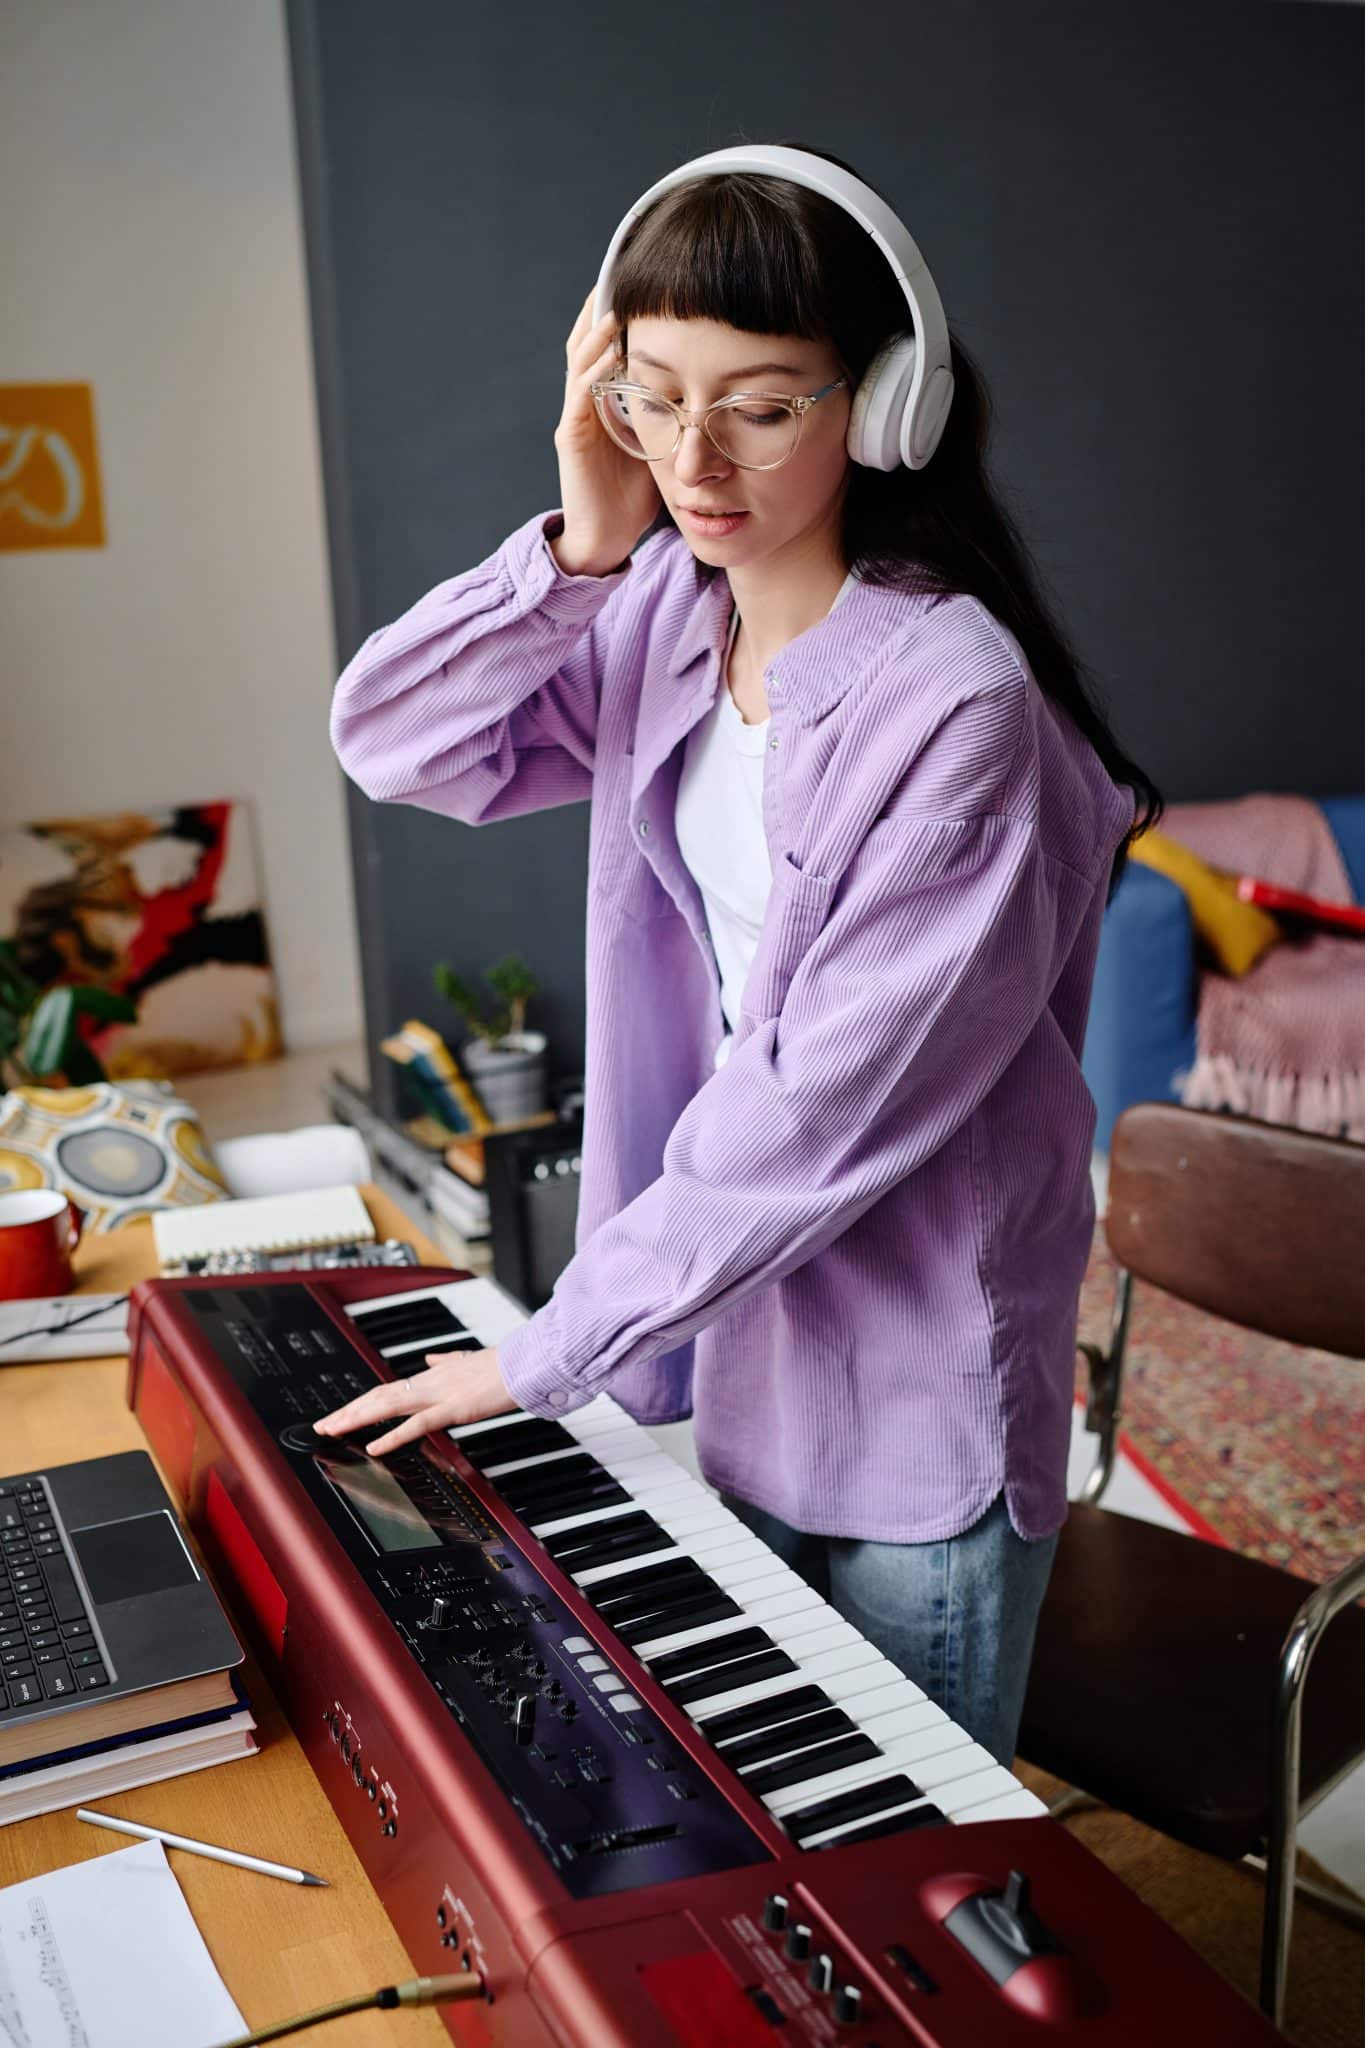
point(24, 1692)
point(72, 1629)
point(34, 1602)
point(12, 1639)
point(46, 1639)
point(9, 1515)
point(57, 1681)
point(51, 1656)
point(19, 1667)
point(94, 1677)
point(80, 1658)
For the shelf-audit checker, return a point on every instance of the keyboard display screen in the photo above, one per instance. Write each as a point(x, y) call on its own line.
point(381, 1506)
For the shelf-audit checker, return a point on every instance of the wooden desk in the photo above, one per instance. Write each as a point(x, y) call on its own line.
point(281, 1948)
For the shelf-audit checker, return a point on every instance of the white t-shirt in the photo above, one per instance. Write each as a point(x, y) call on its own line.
point(719, 824)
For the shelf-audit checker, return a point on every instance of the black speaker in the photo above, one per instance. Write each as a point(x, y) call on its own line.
point(532, 1178)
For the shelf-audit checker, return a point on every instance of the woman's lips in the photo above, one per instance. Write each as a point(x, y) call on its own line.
point(706, 523)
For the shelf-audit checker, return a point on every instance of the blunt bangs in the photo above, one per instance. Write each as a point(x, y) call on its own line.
point(734, 249)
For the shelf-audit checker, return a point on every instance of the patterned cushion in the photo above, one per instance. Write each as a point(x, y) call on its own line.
point(119, 1149)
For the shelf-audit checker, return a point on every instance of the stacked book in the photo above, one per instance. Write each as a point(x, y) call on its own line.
point(94, 1747)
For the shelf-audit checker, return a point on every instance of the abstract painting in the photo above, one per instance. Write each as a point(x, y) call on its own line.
point(162, 906)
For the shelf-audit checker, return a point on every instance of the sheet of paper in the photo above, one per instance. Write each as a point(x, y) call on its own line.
point(106, 1954)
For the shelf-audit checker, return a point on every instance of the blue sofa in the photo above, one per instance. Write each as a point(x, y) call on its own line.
point(1141, 1031)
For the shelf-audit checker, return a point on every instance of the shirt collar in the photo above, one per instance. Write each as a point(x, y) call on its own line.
point(814, 670)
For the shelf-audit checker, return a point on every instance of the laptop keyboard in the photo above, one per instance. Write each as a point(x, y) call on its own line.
point(47, 1645)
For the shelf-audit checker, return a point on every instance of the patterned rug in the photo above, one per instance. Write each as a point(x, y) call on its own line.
point(1264, 1441)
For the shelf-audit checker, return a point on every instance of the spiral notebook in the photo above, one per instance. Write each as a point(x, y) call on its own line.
point(263, 1223)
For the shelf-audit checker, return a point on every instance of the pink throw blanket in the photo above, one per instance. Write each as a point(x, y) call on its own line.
point(1286, 1043)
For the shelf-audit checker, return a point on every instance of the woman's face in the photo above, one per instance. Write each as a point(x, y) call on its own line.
point(697, 362)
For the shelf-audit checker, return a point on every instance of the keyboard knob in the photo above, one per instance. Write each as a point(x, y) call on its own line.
point(442, 1613)
point(798, 1942)
point(848, 2005)
point(524, 1717)
point(820, 1975)
point(774, 1912)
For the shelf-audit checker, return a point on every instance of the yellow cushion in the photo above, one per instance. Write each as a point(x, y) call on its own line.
point(118, 1149)
point(1236, 933)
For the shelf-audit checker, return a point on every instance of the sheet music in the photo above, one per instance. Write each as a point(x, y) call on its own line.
point(106, 1954)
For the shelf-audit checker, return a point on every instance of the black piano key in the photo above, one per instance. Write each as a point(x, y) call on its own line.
point(660, 1599)
point(575, 1495)
point(759, 1714)
point(526, 1439)
point(405, 1322)
point(409, 1362)
point(583, 1550)
point(689, 1614)
point(833, 1755)
point(701, 1656)
point(791, 1736)
point(547, 1478)
point(701, 1685)
point(647, 1579)
point(859, 1803)
point(925, 1816)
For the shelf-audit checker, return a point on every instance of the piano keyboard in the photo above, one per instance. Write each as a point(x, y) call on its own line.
point(835, 1741)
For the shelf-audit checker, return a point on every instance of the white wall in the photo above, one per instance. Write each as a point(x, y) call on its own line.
point(151, 245)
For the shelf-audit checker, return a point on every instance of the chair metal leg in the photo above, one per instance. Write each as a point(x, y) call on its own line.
point(1305, 1630)
point(1352, 1911)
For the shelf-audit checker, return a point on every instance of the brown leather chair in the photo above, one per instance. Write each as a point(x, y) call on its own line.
point(1168, 1677)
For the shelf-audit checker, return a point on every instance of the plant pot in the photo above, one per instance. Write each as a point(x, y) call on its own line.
point(511, 1076)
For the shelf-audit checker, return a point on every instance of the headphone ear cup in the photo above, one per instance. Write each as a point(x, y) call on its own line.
point(874, 421)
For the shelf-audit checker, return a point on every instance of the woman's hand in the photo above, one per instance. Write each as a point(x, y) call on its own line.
point(608, 497)
point(458, 1386)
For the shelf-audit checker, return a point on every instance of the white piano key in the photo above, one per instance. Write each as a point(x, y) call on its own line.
point(885, 1696)
point(497, 1473)
point(1019, 1804)
point(960, 1797)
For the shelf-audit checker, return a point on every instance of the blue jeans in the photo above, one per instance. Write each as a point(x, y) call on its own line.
point(957, 1616)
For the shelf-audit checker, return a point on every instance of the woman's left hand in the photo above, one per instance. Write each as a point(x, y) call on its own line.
point(459, 1386)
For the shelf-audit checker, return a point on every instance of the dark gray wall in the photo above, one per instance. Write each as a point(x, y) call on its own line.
point(1143, 219)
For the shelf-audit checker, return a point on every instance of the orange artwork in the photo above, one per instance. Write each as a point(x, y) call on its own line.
point(49, 467)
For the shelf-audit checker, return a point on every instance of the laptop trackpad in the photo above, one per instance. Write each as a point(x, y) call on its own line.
point(141, 1555)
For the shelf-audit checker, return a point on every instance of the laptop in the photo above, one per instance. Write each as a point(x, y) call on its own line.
point(99, 1592)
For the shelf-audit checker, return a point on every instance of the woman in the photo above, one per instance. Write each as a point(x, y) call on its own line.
point(854, 820)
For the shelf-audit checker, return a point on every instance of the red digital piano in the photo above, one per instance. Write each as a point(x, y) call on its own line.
point(592, 1740)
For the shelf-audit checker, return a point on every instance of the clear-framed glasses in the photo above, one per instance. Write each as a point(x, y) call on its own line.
point(752, 429)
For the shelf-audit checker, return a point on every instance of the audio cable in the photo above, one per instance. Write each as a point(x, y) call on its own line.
point(417, 1991)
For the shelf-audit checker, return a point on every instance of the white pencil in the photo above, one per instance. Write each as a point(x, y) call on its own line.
point(132, 1827)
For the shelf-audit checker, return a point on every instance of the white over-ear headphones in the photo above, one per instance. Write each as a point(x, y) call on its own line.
point(901, 404)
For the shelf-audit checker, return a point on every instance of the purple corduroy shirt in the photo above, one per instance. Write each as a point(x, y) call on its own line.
point(854, 1251)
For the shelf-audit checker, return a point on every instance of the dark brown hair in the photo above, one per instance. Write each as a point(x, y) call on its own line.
point(769, 257)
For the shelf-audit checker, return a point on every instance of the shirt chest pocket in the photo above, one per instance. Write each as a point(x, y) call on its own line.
point(798, 905)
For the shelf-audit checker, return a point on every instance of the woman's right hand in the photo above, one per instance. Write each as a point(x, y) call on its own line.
point(608, 497)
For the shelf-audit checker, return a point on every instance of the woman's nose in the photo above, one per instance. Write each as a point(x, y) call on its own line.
point(696, 456)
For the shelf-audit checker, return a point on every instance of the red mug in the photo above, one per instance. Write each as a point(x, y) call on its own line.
point(39, 1230)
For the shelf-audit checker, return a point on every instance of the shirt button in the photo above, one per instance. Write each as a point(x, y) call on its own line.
point(644, 828)
point(556, 1399)
point(773, 743)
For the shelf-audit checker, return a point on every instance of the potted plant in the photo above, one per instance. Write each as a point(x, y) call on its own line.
point(40, 1036)
point(504, 1061)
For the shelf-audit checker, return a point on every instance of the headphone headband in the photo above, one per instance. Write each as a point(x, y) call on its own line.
point(921, 406)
